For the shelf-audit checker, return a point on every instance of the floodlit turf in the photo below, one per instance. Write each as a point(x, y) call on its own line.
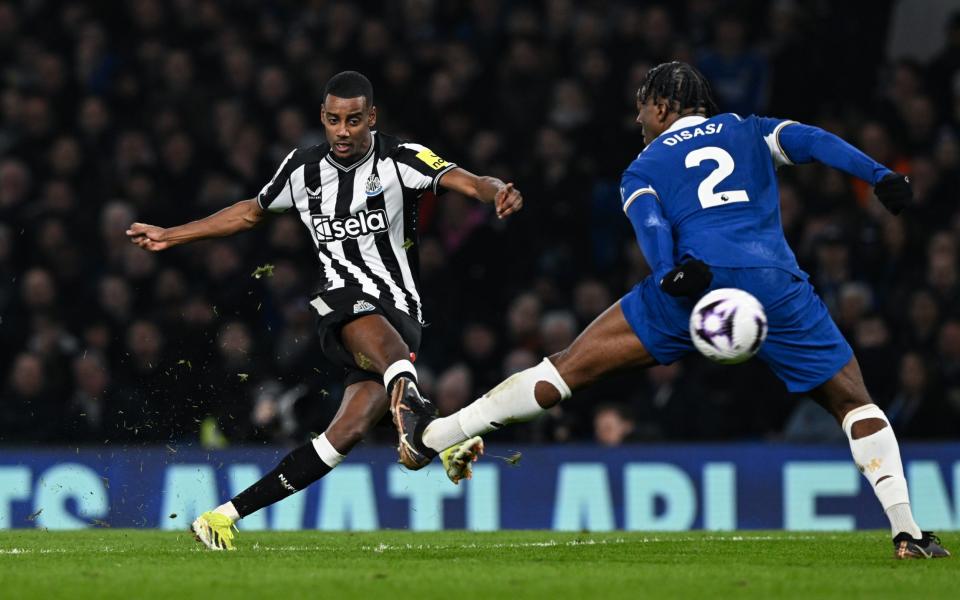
point(107, 563)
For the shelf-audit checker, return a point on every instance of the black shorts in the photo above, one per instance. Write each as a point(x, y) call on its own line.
point(337, 308)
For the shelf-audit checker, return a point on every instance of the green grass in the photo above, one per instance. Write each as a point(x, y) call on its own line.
point(107, 563)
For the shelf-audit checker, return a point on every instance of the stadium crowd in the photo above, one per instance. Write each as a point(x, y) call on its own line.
point(163, 112)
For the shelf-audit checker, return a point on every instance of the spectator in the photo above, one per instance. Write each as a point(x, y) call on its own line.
point(110, 116)
point(557, 331)
point(91, 414)
point(916, 408)
point(613, 425)
point(737, 72)
point(454, 389)
point(29, 412)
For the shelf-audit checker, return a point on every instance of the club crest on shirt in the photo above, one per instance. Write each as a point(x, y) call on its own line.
point(373, 186)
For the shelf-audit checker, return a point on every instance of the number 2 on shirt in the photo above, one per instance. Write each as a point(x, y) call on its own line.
point(708, 197)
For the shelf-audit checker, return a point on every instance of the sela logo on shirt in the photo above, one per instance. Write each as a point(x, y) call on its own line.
point(362, 306)
point(373, 186)
point(363, 223)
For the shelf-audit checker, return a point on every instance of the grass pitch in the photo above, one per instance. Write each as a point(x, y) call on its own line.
point(107, 563)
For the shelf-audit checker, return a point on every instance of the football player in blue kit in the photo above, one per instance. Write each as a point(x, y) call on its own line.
point(704, 204)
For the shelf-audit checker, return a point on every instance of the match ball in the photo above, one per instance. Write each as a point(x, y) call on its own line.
point(728, 326)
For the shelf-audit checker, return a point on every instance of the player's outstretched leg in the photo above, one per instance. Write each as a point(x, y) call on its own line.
point(605, 346)
point(364, 404)
point(877, 455)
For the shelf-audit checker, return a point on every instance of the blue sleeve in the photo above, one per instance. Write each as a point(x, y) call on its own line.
point(642, 206)
point(794, 143)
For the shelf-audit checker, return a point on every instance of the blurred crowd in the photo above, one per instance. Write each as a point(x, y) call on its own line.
point(165, 111)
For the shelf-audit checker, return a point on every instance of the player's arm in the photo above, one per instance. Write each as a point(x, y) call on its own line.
point(241, 216)
point(795, 143)
point(505, 198)
point(421, 169)
point(642, 206)
point(275, 197)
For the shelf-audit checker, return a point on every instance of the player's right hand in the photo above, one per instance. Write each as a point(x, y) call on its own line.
point(689, 279)
point(894, 192)
point(507, 201)
point(148, 237)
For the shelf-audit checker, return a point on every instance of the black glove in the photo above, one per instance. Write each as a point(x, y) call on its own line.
point(895, 192)
point(689, 279)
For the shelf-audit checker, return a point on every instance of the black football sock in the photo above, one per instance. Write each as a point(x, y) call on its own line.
point(296, 471)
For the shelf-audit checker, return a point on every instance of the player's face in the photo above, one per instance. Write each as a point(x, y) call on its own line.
point(347, 122)
point(652, 119)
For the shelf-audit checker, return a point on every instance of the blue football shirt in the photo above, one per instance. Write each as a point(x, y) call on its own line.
point(714, 183)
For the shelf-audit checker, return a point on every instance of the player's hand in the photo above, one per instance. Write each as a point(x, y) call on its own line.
point(148, 237)
point(689, 279)
point(894, 192)
point(507, 201)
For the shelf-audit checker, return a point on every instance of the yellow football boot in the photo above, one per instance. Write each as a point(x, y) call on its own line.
point(215, 531)
point(458, 459)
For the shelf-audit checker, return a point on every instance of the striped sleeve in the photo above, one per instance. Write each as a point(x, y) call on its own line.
point(633, 185)
point(277, 195)
point(420, 168)
point(770, 130)
point(795, 143)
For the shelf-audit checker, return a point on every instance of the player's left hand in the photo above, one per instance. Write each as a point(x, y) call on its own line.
point(894, 192)
point(507, 201)
point(689, 279)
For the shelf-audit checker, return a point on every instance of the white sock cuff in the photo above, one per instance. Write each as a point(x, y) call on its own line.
point(401, 366)
point(228, 509)
point(328, 454)
point(868, 411)
point(545, 371)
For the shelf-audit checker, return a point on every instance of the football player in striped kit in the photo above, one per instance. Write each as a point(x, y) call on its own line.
point(357, 195)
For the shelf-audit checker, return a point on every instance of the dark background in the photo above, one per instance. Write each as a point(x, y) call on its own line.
point(163, 112)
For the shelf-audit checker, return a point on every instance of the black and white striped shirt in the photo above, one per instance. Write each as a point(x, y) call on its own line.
point(362, 218)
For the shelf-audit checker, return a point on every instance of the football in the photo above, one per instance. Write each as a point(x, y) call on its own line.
point(728, 325)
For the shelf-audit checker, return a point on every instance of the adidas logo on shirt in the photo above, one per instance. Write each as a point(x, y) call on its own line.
point(362, 306)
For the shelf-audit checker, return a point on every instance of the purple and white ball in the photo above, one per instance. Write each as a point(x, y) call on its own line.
point(728, 326)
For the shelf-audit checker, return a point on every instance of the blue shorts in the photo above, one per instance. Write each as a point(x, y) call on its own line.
point(804, 348)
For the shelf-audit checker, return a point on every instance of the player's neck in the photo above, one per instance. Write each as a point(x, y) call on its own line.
point(672, 120)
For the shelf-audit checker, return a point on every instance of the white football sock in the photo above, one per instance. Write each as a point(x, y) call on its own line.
point(228, 509)
point(512, 401)
point(878, 458)
point(401, 367)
